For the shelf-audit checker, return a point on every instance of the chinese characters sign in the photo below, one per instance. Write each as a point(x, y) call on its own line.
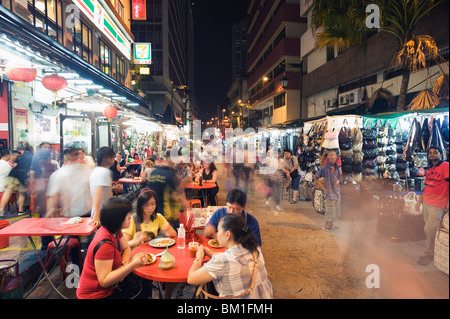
point(139, 10)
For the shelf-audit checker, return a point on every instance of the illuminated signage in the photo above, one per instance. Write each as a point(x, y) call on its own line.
point(97, 14)
point(145, 71)
point(139, 10)
point(142, 53)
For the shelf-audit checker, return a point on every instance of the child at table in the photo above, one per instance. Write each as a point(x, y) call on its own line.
point(146, 222)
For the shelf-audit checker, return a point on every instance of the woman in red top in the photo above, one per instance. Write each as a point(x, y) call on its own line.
point(112, 261)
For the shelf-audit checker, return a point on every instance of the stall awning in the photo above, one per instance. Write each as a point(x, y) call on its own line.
point(393, 117)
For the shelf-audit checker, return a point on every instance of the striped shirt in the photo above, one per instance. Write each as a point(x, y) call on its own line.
point(233, 270)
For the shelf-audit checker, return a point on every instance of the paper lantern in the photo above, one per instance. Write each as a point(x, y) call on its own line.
point(110, 112)
point(21, 74)
point(54, 83)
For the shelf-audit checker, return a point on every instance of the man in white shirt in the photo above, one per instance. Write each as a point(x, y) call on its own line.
point(68, 192)
point(101, 181)
point(5, 168)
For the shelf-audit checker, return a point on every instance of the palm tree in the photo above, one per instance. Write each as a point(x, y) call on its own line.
point(341, 24)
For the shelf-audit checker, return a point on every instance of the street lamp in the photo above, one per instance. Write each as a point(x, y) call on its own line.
point(284, 82)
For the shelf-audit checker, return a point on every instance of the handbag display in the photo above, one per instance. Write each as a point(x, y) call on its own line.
point(368, 144)
point(370, 153)
point(358, 157)
point(369, 134)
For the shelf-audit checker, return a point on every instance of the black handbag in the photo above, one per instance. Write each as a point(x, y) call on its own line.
point(357, 168)
point(347, 160)
point(402, 166)
point(369, 134)
point(367, 144)
point(347, 169)
point(391, 159)
point(369, 171)
point(346, 145)
point(370, 153)
point(369, 163)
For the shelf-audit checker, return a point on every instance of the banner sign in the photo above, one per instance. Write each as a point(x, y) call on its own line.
point(139, 9)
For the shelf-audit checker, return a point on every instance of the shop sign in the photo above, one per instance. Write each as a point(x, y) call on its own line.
point(139, 9)
point(97, 14)
point(145, 71)
point(142, 53)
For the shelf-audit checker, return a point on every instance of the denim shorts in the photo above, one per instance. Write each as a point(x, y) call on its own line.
point(295, 183)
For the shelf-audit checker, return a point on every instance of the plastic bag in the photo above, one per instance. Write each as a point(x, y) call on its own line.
point(410, 204)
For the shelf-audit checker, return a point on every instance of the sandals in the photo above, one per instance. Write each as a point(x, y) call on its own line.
point(293, 201)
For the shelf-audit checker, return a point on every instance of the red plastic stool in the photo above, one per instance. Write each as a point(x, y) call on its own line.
point(74, 243)
point(12, 200)
point(195, 203)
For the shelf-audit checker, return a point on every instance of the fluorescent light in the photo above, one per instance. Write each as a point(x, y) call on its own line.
point(133, 104)
point(119, 98)
point(105, 91)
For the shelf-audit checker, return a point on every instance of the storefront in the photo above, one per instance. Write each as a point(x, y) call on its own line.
point(42, 81)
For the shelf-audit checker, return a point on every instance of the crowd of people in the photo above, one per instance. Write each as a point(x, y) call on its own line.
point(84, 187)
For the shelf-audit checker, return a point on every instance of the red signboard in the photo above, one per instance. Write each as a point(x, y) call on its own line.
point(139, 10)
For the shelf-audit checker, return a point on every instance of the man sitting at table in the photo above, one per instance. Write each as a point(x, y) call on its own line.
point(236, 204)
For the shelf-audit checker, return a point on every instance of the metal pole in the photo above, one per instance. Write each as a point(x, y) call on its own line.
point(301, 90)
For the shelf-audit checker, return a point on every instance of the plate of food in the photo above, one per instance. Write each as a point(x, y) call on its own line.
point(150, 259)
point(214, 243)
point(161, 242)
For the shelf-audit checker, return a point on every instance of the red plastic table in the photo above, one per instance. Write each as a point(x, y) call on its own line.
point(48, 227)
point(133, 182)
point(196, 186)
point(183, 262)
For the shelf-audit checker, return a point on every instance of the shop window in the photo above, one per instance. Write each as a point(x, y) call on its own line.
point(120, 69)
point(279, 100)
point(45, 15)
point(105, 58)
point(6, 3)
point(82, 40)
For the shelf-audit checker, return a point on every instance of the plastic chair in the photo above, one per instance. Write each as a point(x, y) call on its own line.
point(74, 243)
point(195, 203)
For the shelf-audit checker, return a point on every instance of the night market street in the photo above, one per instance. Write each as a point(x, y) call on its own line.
point(305, 262)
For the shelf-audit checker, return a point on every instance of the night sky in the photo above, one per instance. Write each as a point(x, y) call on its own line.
point(213, 20)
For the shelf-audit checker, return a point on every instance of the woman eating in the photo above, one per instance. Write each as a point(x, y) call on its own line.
point(239, 272)
point(146, 223)
point(108, 260)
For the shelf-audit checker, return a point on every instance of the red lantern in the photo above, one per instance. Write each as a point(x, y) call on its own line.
point(110, 112)
point(54, 83)
point(21, 74)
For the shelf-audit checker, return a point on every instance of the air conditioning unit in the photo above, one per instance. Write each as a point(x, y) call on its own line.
point(331, 103)
point(343, 99)
point(355, 96)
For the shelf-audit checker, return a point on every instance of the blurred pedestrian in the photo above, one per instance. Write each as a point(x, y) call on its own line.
point(100, 181)
point(68, 192)
point(18, 180)
point(330, 184)
point(291, 170)
point(239, 272)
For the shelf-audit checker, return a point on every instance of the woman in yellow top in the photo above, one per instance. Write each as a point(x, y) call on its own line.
point(146, 223)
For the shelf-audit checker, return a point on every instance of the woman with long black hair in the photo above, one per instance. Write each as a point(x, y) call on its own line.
point(239, 272)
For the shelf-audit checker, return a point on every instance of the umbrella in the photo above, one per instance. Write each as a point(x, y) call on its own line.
point(425, 99)
point(440, 87)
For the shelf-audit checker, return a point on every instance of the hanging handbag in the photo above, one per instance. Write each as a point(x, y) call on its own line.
point(347, 160)
point(331, 140)
point(358, 157)
point(346, 153)
point(369, 163)
point(369, 171)
point(347, 169)
point(391, 159)
point(369, 134)
point(357, 168)
point(370, 144)
point(370, 153)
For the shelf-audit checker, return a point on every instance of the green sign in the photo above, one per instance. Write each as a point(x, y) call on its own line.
point(142, 53)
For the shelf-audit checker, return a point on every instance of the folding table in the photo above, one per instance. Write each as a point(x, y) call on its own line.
point(49, 227)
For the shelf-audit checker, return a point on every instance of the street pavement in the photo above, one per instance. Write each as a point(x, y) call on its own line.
point(304, 261)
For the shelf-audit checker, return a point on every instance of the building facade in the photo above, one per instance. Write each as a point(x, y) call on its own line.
point(274, 31)
point(170, 84)
point(89, 44)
